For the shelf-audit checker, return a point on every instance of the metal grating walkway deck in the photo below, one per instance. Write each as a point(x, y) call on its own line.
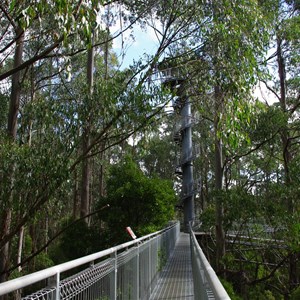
point(176, 281)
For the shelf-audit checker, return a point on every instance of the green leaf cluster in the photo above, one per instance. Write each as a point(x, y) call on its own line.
point(145, 204)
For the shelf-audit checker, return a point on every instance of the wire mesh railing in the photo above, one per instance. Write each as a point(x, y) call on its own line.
point(127, 271)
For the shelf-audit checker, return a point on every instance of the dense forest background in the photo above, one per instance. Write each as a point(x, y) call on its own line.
point(86, 147)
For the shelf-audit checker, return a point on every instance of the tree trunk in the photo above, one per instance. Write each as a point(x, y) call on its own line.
point(287, 157)
point(20, 247)
point(86, 170)
point(76, 196)
point(18, 293)
point(14, 104)
point(220, 235)
point(4, 255)
point(101, 176)
point(34, 242)
point(15, 88)
point(102, 145)
point(284, 134)
point(85, 181)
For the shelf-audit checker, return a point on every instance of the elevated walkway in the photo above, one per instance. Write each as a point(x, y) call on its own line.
point(176, 281)
point(162, 265)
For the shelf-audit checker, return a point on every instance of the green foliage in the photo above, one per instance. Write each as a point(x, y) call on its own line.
point(162, 259)
point(37, 170)
point(240, 207)
point(3, 113)
point(145, 204)
point(294, 239)
point(77, 241)
point(43, 261)
point(229, 289)
point(261, 293)
point(238, 42)
point(269, 122)
point(207, 218)
point(219, 43)
point(67, 15)
point(296, 294)
point(239, 115)
point(157, 155)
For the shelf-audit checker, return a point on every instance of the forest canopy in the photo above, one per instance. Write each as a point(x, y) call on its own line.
point(71, 116)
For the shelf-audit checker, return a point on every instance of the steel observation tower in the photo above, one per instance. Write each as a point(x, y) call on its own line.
point(172, 78)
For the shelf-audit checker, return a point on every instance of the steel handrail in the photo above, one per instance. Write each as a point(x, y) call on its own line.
point(21, 282)
point(210, 276)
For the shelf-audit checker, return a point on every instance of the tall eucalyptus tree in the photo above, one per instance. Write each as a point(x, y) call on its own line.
point(54, 121)
point(222, 69)
point(284, 86)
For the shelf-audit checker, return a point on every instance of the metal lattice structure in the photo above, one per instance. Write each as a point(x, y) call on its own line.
point(128, 271)
point(173, 78)
point(164, 265)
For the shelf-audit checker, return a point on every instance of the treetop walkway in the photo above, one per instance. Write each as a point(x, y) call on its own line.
point(167, 264)
point(176, 279)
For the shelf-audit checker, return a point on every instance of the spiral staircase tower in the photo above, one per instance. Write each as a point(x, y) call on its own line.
point(183, 138)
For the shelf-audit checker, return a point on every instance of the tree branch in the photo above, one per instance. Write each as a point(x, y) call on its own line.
point(31, 60)
point(238, 156)
point(271, 90)
point(271, 274)
point(9, 18)
point(29, 258)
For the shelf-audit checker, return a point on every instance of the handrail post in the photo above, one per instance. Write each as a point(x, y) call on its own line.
point(113, 277)
point(54, 282)
point(149, 266)
point(57, 293)
point(137, 271)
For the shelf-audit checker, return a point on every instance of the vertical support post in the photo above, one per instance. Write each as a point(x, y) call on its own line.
point(137, 273)
point(57, 292)
point(149, 266)
point(158, 250)
point(187, 167)
point(113, 277)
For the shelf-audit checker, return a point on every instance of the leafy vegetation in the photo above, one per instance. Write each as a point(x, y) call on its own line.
point(79, 132)
point(145, 204)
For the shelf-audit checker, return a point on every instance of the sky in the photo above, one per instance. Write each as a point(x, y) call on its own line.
point(264, 95)
point(136, 42)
